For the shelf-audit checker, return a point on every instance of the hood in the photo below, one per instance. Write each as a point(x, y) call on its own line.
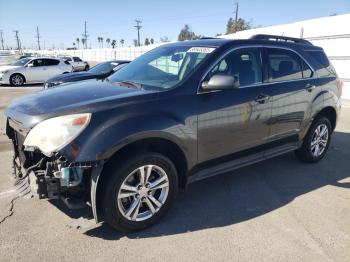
point(7, 67)
point(71, 77)
point(79, 97)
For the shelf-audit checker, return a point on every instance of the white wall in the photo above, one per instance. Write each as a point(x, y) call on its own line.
point(100, 55)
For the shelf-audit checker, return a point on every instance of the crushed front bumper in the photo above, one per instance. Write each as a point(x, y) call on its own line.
point(53, 177)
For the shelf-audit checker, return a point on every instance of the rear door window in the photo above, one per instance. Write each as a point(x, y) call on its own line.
point(76, 59)
point(284, 65)
point(51, 62)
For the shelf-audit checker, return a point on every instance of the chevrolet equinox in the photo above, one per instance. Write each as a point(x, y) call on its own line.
point(179, 113)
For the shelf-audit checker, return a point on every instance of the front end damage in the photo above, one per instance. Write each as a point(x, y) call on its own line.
point(52, 177)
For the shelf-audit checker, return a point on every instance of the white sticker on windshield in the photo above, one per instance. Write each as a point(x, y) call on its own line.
point(205, 50)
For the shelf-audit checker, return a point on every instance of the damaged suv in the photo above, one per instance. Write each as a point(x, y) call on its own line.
point(179, 113)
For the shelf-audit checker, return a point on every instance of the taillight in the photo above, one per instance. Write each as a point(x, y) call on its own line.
point(340, 84)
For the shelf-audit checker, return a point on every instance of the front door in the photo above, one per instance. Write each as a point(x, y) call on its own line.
point(234, 120)
point(37, 71)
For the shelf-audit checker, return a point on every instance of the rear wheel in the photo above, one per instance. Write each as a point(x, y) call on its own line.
point(87, 68)
point(316, 142)
point(139, 191)
point(17, 80)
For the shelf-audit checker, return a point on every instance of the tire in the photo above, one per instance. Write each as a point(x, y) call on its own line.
point(312, 142)
point(17, 80)
point(87, 68)
point(117, 202)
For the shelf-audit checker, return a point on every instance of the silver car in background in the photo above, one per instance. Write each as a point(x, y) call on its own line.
point(77, 63)
point(33, 70)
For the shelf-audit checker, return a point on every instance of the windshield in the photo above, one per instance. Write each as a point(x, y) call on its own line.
point(21, 62)
point(103, 68)
point(163, 67)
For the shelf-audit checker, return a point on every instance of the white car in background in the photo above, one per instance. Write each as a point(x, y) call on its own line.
point(77, 63)
point(33, 70)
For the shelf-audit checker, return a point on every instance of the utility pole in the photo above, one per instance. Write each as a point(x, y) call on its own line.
point(38, 37)
point(236, 12)
point(85, 36)
point(17, 39)
point(138, 27)
point(2, 40)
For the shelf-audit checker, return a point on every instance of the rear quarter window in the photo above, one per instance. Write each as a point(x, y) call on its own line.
point(323, 65)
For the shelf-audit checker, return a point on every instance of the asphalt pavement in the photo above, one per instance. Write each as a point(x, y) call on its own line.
point(277, 210)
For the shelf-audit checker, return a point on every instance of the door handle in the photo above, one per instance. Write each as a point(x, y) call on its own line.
point(310, 87)
point(261, 99)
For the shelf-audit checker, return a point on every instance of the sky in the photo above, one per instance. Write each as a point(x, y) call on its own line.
point(60, 22)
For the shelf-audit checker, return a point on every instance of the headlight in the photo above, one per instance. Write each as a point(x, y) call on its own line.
point(55, 133)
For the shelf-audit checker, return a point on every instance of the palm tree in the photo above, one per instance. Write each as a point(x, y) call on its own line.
point(77, 40)
point(83, 41)
point(102, 41)
point(99, 40)
point(114, 43)
point(122, 41)
point(108, 40)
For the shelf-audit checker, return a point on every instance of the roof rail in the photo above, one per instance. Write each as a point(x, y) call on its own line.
point(207, 37)
point(281, 38)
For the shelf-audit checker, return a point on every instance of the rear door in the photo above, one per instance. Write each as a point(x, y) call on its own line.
point(52, 67)
point(293, 87)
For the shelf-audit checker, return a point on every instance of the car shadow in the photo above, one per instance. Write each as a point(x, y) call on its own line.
point(246, 193)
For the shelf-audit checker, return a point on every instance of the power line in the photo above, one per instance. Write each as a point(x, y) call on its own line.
point(17, 39)
point(2, 40)
point(138, 27)
point(38, 36)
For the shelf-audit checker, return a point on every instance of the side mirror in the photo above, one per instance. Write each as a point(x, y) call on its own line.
point(30, 65)
point(221, 82)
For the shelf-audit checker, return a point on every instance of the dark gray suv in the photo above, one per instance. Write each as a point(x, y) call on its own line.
point(179, 113)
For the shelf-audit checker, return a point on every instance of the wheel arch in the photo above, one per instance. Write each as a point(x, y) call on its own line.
point(330, 113)
point(163, 146)
point(18, 73)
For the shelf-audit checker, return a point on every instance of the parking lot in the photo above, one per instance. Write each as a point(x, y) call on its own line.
point(277, 210)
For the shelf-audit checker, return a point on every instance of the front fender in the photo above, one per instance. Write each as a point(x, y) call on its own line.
point(106, 135)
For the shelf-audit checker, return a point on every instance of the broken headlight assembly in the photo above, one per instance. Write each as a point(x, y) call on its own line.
point(55, 133)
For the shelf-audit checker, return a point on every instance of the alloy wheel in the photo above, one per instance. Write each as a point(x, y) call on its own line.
point(17, 80)
point(319, 140)
point(143, 193)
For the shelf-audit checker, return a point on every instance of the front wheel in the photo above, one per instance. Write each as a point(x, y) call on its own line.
point(316, 141)
point(139, 191)
point(17, 80)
